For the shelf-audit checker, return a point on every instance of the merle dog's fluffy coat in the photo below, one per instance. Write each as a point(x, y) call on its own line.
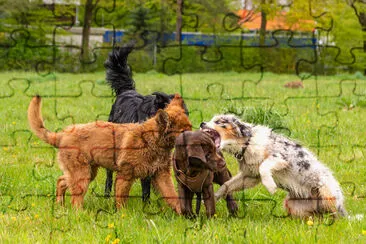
point(130, 106)
point(277, 162)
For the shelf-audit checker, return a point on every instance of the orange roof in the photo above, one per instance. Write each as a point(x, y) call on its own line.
point(252, 20)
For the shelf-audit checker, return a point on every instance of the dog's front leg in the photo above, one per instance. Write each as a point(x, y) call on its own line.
point(238, 182)
point(185, 199)
point(266, 169)
point(220, 178)
point(164, 184)
point(122, 188)
point(209, 200)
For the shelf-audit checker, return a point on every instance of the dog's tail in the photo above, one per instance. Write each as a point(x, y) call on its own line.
point(36, 123)
point(341, 210)
point(118, 73)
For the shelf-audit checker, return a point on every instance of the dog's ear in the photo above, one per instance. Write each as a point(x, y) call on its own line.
point(162, 118)
point(171, 97)
point(245, 130)
point(208, 164)
point(176, 101)
point(197, 157)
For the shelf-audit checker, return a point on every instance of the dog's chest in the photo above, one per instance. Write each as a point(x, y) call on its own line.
point(251, 162)
point(249, 167)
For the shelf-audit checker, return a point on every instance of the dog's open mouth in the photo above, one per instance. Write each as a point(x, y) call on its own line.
point(214, 135)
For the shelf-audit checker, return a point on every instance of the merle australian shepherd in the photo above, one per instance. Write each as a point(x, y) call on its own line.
point(130, 106)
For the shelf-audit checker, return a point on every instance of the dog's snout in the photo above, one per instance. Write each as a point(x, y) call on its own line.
point(203, 124)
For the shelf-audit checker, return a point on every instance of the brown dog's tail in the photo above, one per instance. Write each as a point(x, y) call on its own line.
point(36, 122)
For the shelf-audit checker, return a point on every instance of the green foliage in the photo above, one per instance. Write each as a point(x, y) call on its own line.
point(258, 115)
point(28, 47)
point(349, 103)
point(263, 116)
point(159, 17)
point(197, 59)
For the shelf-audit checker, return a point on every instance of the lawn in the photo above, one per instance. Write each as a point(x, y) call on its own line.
point(328, 116)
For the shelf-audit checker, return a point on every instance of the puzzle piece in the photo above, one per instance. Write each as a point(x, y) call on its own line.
point(219, 66)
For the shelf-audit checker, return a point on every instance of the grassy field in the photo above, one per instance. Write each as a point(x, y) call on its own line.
point(328, 116)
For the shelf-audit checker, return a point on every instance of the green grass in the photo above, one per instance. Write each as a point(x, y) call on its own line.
point(314, 116)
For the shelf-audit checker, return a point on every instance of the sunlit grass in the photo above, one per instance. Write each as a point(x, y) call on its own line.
point(314, 116)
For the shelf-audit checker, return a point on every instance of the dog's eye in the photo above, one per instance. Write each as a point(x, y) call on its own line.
point(223, 126)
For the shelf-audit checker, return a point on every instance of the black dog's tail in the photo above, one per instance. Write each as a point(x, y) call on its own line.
point(118, 73)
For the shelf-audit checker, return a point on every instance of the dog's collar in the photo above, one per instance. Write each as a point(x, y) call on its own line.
point(240, 155)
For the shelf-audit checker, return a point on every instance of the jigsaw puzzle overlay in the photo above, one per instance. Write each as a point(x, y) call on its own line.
point(304, 77)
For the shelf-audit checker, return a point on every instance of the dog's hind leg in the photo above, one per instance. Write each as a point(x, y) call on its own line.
point(163, 182)
point(301, 208)
point(108, 183)
point(79, 182)
point(145, 185)
point(61, 188)
point(198, 202)
point(122, 189)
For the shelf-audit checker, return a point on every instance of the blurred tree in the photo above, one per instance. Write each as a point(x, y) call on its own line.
point(359, 8)
point(179, 24)
point(19, 12)
point(89, 7)
point(210, 12)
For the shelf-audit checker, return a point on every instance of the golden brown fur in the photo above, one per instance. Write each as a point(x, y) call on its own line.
point(133, 150)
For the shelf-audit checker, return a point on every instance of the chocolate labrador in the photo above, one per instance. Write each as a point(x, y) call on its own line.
point(197, 163)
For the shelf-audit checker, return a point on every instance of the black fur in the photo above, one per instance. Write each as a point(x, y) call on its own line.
point(304, 164)
point(130, 106)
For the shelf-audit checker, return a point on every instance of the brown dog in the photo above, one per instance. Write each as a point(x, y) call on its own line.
point(197, 163)
point(133, 150)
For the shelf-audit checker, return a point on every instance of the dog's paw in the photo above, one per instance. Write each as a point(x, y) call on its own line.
point(271, 188)
point(269, 183)
point(222, 192)
point(232, 207)
point(217, 197)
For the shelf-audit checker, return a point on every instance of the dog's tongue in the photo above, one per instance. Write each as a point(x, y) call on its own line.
point(214, 135)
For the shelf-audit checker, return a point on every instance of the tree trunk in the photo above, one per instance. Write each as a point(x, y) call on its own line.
point(262, 34)
point(362, 20)
point(88, 15)
point(178, 35)
point(262, 31)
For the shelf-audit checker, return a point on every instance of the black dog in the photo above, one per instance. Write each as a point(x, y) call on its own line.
point(130, 106)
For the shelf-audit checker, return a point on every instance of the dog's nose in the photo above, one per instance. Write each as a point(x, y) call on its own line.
point(202, 124)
